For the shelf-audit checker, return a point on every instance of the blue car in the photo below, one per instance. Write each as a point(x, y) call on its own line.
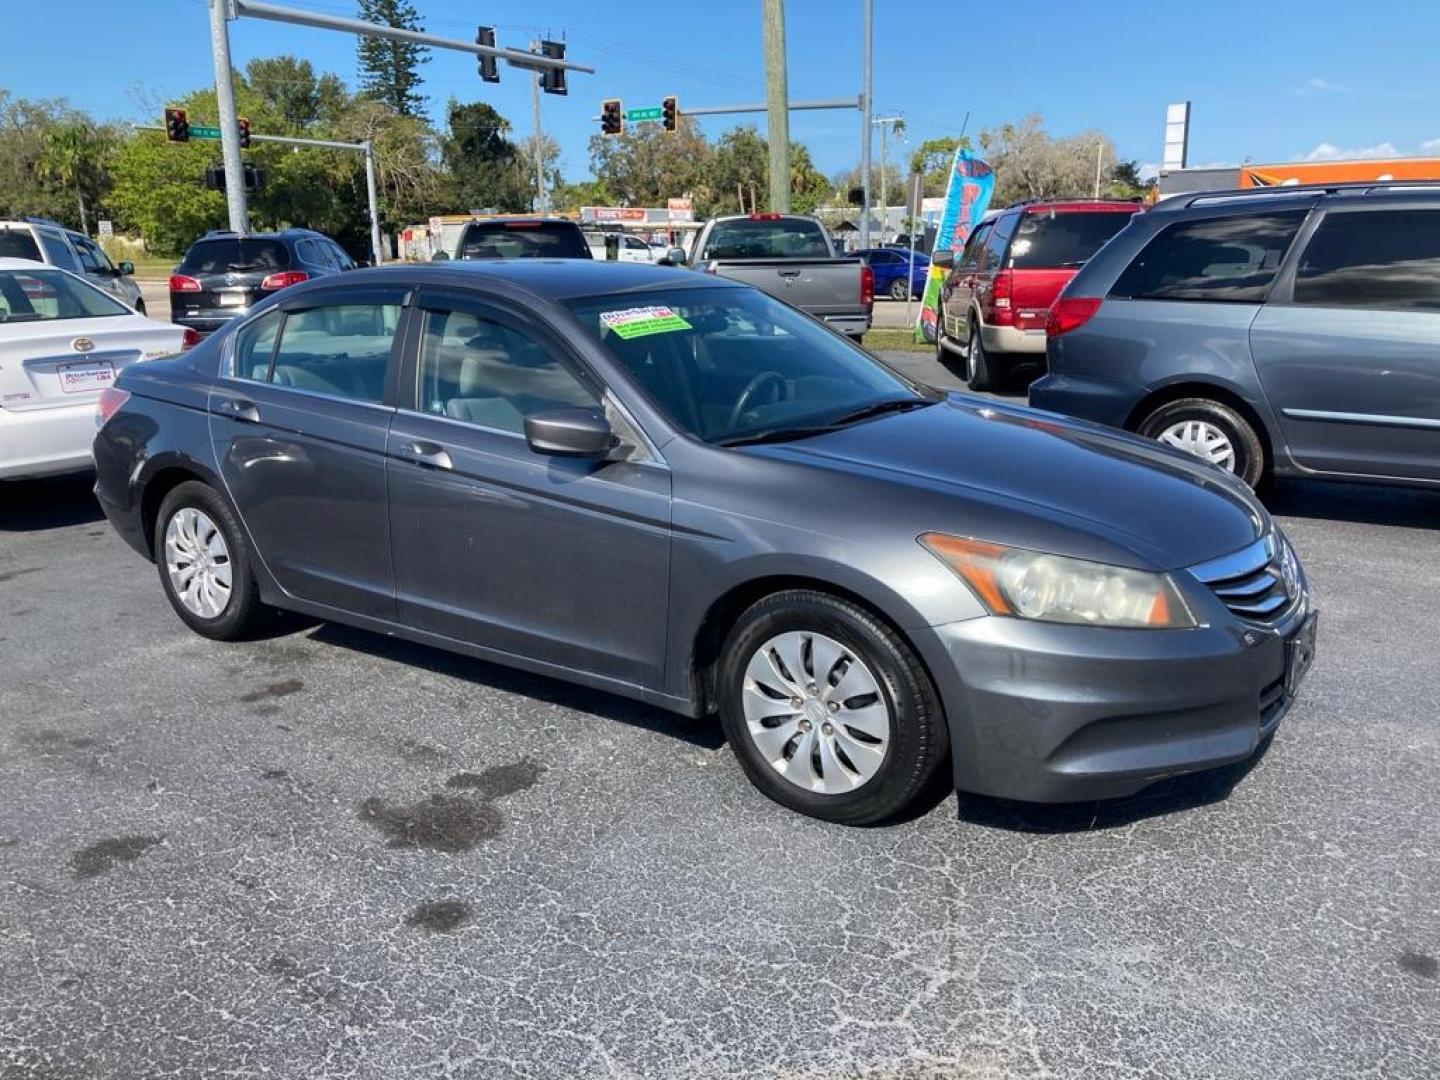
point(890, 266)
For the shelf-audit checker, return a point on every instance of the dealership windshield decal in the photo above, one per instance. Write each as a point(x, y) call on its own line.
point(640, 321)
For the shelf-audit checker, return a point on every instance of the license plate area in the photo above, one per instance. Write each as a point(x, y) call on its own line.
point(85, 377)
point(1300, 653)
point(232, 299)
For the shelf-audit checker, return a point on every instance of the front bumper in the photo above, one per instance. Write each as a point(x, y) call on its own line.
point(46, 442)
point(1053, 713)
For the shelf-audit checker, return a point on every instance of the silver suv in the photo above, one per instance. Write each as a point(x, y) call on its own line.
point(45, 241)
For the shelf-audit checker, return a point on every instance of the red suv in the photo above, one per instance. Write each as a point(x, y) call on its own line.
point(998, 291)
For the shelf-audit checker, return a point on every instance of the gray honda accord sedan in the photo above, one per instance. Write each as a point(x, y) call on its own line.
point(676, 488)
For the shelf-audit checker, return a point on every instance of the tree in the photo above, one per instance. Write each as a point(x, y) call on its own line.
point(74, 158)
point(808, 185)
point(648, 165)
point(291, 90)
point(739, 165)
point(932, 160)
point(1029, 164)
point(390, 70)
point(486, 170)
point(25, 127)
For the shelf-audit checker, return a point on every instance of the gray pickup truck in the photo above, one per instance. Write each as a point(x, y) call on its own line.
point(789, 256)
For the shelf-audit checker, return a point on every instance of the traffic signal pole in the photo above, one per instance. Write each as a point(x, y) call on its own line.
point(229, 121)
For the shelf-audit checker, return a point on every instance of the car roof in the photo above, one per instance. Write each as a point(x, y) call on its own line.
point(1296, 196)
point(1069, 206)
point(551, 279)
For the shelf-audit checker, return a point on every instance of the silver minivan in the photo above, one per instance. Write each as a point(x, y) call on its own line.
point(50, 242)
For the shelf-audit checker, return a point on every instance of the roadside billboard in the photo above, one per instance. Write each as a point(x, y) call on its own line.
point(1339, 172)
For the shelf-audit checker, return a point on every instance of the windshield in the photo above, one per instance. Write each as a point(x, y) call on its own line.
point(523, 240)
point(35, 295)
point(729, 365)
point(766, 238)
point(220, 256)
point(1051, 239)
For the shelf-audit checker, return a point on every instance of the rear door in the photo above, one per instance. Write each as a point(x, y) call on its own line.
point(958, 289)
point(299, 426)
point(558, 559)
point(1348, 348)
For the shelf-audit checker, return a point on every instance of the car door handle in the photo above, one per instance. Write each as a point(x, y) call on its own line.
point(430, 454)
point(789, 273)
point(238, 409)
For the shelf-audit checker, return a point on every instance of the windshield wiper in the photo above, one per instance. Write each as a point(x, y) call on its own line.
point(785, 434)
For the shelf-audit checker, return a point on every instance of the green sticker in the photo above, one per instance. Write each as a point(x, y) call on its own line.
point(640, 321)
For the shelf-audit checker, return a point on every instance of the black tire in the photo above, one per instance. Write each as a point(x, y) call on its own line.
point(919, 740)
point(1249, 453)
point(897, 289)
point(980, 367)
point(242, 612)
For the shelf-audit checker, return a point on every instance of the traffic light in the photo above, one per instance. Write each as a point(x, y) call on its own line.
point(612, 120)
point(244, 126)
point(486, 65)
point(177, 126)
point(669, 113)
point(552, 80)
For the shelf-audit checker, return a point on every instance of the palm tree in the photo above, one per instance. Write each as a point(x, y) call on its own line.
point(72, 158)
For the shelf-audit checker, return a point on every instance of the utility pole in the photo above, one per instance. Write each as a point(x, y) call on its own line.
point(539, 161)
point(777, 99)
point(1099, 158)
point(229, 123)
point(868, 18)
point(886, 123)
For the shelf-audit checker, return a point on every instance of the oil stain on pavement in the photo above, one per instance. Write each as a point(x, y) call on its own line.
point(1418, 963)
point(102, 857)
point(457, 822)
point(280, 689)
point(440, 916)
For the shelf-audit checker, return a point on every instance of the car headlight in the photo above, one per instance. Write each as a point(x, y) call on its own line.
point(1052, 588)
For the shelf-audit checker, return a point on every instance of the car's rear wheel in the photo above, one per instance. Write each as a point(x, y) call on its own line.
point(897, 289)
point(204, 563)
point(980, 369)
point(1211, 431)
point(828, 710)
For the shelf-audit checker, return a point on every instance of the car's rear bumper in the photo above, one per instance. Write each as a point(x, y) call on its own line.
point(1104, 401)
point(205, 320)
point(1050, 713)
point(46, 442)
point(1011, 339)
point(854, 325)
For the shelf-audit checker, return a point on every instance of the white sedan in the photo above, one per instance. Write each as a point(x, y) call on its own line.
point(62, 342)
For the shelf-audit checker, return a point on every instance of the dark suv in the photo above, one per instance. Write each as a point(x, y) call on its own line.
point(997, 292)
point(224, 273)
point(522, 238)
point(1283, 331)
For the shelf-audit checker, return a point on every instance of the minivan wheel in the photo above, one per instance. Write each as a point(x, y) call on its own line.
point(981, 373)
point(828, 710)
point(1211, 431)
point(204, 563)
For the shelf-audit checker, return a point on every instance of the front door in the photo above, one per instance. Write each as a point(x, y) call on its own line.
point(299, 428)
point(557, 559)
point(1349, 352)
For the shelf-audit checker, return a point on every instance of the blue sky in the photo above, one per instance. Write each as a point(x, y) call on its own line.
point(1269, 81)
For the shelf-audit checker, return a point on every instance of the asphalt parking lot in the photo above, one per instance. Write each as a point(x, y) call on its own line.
point(331, 854)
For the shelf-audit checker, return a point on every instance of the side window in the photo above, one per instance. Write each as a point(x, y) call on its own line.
point(313, 253)
point(87, 257)
point(339, 349)
point(487, 373)
point(999, 240)
point(975, 246)
point(97, 253)
point(1228, 259)
point(57, 252)
point(1385, 260)
point(340, 257)
point(254, 346)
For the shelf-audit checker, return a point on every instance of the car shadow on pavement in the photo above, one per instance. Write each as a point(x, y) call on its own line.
point(51, 503)
point(704, 733)
point(1362, 504)
point(1163, 798)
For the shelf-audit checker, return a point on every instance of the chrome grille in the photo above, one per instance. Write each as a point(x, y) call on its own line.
point(1258, 582)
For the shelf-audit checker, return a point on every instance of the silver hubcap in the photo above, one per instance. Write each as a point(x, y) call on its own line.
point(198, 562)
point(1201, 439)
point(815, 712)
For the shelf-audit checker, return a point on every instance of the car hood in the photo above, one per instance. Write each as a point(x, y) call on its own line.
point(1068, 487)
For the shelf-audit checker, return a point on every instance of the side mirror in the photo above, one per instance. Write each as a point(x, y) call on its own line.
point(569, 432)
point(125, 267)
point(945, 259)
point(674, 256)
point(440, 256)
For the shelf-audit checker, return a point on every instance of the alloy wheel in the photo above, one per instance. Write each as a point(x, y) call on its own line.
point(815, 712)
point(197, 561)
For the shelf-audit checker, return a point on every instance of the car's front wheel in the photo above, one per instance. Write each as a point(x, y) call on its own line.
point(897, 289)
point(828, 710)
point(204, 563)
point(1212, 431)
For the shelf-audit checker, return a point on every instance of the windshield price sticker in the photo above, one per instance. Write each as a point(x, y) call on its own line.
point(640, 321)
